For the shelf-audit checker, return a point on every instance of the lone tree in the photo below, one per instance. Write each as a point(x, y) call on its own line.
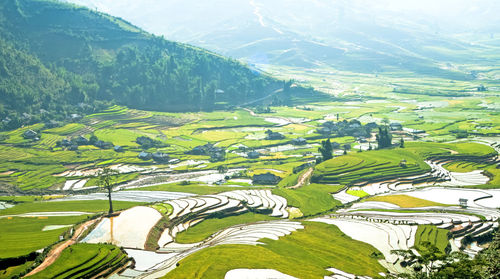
point(106, 178)
point(326, 150)
point(384, 138)
point(402, 143)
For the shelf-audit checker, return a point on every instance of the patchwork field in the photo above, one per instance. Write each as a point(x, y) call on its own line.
point(190, 203)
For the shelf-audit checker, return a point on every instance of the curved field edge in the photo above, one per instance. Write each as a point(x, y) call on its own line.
point(429, 233)
point(386, 163)
point(304, 254)
point(311, 199)
point(22, 235)
point(85, 260)
point(207, 227)
point(405, 201)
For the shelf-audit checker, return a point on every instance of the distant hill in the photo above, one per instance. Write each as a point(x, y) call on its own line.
point(59, 59)
point(350, 35)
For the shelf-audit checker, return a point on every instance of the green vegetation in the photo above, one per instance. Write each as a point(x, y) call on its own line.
point(310, 199)
point(379, 165)
point(13, 271)
point(23, 235)
point(429, 233)
point(206, 228)
point(165, 75)
point(357, 193)
point(405, 201)
point(53, 206)
point(84, 261)
point(199, 189)
point(303, 254)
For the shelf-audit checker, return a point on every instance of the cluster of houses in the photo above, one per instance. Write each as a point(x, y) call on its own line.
point(73, 143)
point(216, 153)
point(159, 157)
point(353, 128)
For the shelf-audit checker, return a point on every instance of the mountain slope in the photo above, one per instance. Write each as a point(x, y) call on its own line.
point(85, 57)
point(359, 36)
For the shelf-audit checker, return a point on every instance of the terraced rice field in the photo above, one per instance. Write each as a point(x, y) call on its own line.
point(428, 233)
point(404, 201)
point(85, 261)
point(305, 253)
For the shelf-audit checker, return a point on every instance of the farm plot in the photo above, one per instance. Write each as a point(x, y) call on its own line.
point(135, 196)
point(437, 176)
point(305, 253)
point(192, 210)
point(23, 235)
point(475, 197)
point(474, 222)
point(85, 261)
point(256, 273)
point(383, 236)
point(130, 229)
point(382, 171)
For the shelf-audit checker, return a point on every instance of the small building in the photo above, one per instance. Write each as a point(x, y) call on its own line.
point(30, 134)
point(396, 126)
point(299, 141)
point(463, 202)
point(160, 157)
point(253, 154)
point(274, 135)
point(75, 117)
point(118, 148)
point(145, 156)
point(266, 179)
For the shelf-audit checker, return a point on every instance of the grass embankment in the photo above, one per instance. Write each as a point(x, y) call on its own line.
point(310, 199)
point(13, 271)
point(84, 261)
point(357, 193)
point(432, 234)
point(303, 254)
point(405, 201)
point(377, 165)
point(206, 228)
point(55, 206)
point(23, 235)
point(371, 165)
point(199, 189)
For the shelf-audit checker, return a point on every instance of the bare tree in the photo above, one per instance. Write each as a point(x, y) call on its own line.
point(106, 179)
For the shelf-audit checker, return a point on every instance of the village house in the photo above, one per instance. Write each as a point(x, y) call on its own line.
point(299, 141)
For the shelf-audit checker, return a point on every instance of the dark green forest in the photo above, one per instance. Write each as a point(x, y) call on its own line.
point(59, 59)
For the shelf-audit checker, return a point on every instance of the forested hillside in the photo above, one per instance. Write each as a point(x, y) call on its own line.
point(60, 59)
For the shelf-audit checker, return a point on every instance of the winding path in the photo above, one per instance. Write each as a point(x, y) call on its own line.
point(303, 179)
point(54, 254)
